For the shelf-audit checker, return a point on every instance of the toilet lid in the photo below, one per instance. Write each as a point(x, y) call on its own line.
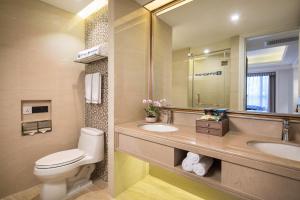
point(60, 158)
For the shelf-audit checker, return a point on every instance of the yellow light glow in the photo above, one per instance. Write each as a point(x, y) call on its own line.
point(151, 188)
point(173, 7)
point(93, 7)
point(268, 55)
point(156, 4)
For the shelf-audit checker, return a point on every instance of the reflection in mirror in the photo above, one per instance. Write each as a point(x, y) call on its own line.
point(272, 73)
point(234, 54)
point(208, 79)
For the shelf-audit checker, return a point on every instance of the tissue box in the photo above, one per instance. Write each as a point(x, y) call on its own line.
point(217, 128)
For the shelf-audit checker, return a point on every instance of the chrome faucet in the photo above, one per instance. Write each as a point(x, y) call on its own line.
point(285, 130)
point(169, 116)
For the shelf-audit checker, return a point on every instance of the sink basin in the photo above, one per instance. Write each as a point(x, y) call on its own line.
point(159, 128)
point(287, 151)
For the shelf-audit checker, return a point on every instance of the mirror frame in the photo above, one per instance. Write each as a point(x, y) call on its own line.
point(242, 97)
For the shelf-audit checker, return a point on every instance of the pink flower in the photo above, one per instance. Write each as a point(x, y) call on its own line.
point(144, 101)
point(149, 101)
point(157, 103)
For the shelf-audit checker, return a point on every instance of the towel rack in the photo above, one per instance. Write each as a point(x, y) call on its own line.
point(92, 54)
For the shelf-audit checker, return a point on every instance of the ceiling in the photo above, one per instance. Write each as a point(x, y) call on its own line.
point(292, 51)
point(203, 22)
point(72, 6)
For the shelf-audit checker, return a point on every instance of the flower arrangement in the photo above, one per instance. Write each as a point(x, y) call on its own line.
point(153, 109)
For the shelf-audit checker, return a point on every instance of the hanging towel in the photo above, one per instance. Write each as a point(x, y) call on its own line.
point(203, 166)
point(88, 88)
point(96, 88)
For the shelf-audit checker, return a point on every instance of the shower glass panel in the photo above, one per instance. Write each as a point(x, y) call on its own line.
point(208, 80)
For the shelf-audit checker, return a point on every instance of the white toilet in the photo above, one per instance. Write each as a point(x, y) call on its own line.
point(64, 172)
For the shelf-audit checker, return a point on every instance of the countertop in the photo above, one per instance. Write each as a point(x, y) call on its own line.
point(232, 147)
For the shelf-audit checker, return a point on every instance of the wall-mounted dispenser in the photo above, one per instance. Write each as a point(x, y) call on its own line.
point(36, 116)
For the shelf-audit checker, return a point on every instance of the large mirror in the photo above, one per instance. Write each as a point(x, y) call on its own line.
point(237, 54)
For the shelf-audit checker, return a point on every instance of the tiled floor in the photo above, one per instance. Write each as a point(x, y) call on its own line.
point(29, 194)
point(149, 188)
point(96, 191)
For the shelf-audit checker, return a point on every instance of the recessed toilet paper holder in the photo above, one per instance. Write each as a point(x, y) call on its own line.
point(36, 127)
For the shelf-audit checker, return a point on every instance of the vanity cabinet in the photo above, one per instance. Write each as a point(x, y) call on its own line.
point(262, 185)
point(242, 179)
point(150, 151)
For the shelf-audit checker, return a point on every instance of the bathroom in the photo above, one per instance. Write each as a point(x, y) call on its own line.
point(141, 99)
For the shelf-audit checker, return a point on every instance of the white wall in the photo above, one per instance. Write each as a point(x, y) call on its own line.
point(295, 86)
point(284, 91)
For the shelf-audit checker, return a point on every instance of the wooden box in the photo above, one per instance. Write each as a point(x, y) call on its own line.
point(218, 128)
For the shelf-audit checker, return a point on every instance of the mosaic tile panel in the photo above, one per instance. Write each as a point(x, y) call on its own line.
point(96, 115)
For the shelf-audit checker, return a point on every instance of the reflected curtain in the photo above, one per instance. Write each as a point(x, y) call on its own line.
point(261, 92)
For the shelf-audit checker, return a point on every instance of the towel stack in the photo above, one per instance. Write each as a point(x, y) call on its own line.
point(198, 164)
point(93, 88)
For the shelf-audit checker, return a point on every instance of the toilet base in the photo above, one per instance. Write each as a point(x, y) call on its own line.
point(79, 188)
point(60, 189)
point(54, 190)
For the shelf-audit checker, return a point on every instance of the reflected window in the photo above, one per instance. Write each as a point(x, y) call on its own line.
point(261, 92)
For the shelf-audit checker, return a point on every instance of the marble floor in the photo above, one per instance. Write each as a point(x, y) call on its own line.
point(150, 188)
point(96, 191)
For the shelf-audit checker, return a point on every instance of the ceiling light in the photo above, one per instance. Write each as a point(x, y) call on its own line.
point(268, 55)
point(173, 7)
point(235, 17)
point(91, 8)
point(206, 51)
point(156, 4)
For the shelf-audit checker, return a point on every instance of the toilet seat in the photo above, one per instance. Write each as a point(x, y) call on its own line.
point(60, 159)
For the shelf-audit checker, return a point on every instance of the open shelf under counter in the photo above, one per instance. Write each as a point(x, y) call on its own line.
point(212, 177)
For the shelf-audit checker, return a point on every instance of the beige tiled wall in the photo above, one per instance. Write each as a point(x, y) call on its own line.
point(37, 46)
point(180, 78)
point(131, 52)
point(162, 60)
point(266, 127)
point(131, 32)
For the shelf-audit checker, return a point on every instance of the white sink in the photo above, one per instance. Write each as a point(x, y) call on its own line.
point(159, 128)
point(276, 149)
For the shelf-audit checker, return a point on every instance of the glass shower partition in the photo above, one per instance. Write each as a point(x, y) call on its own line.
point(209, 80)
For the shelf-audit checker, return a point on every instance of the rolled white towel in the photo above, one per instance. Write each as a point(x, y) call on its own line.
point(203, 166)
point(187, 165)
point(195, 158)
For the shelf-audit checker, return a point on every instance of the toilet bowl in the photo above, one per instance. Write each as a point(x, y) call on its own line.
point(64, 172)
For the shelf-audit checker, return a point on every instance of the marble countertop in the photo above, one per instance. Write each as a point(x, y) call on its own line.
point(232, 147)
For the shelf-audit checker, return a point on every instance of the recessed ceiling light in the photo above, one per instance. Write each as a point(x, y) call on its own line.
point(268, 55)
point(235, 17)
point(91, 8)
point(206, 51)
